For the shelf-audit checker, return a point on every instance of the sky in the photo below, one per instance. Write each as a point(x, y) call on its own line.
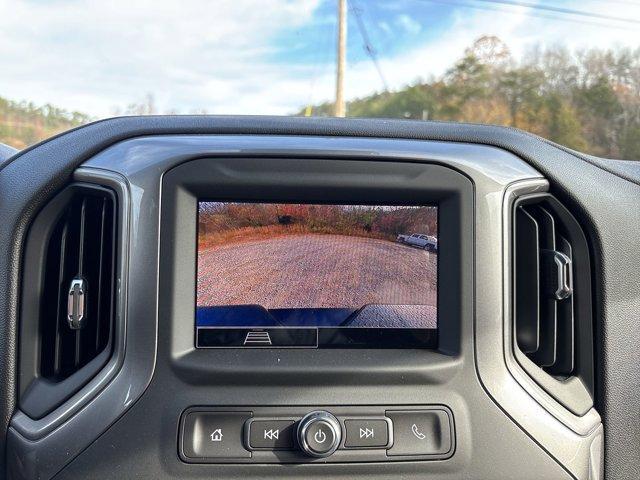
point(265, 56)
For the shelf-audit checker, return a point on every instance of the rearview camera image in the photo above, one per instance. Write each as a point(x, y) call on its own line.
point(315, 267)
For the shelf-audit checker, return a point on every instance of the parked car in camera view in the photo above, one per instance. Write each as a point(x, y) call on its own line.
point(419, 240)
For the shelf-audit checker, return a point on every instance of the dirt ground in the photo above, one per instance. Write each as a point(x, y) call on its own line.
point(316, 271)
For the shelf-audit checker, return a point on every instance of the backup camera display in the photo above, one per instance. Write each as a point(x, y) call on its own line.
point(301, 275)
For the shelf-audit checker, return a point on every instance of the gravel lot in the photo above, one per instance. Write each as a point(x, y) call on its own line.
point(316, 271)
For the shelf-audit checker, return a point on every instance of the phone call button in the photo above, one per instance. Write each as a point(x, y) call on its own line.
point(420, 432)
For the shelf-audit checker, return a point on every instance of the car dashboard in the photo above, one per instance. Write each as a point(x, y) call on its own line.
point(122, 358)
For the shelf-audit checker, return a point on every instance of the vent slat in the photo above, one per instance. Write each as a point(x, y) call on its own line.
point(527, 305)
point(81, 236)
point(61, 297)
point(546, 353)
point(101, 269)
point(548, 228)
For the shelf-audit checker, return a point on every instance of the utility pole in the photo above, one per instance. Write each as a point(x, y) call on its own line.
point(339, 107)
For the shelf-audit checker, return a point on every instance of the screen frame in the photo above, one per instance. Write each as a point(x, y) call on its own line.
point(314, 180)
point(337, 336)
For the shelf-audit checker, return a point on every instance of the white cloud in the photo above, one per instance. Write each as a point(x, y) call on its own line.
point(385, 27)
point(92, 56)
point(408, 24)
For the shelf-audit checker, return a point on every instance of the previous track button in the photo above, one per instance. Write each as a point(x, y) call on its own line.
point(271, 434)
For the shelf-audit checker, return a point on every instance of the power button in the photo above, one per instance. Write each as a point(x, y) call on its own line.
point(319, 434)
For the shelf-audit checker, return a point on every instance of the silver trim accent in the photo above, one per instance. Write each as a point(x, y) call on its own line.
point(157, 154)
point(319, 416)
point(76, 304)
point(565, 276)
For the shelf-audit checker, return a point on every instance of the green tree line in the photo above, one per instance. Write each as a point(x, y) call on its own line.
point(588, 100)
point(216, 218)
point(23, 123)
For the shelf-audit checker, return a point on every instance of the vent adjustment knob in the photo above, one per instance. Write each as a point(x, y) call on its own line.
point(76, 304)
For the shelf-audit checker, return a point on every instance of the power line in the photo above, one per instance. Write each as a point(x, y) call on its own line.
point(560, 10)
point(608, 2)
point(368, 47)
point(538, 14)
point(623, 2)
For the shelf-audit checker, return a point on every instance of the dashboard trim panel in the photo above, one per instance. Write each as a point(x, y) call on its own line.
point(142, 162)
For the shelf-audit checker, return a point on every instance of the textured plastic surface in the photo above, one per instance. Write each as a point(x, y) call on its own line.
point(610, 218)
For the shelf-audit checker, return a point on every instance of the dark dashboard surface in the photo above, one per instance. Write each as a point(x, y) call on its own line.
point(145, 162)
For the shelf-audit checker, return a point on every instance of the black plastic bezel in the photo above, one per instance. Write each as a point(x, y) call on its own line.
point(342, 454)
point(310, 180)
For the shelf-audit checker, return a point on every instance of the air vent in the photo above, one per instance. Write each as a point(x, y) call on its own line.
point(552, 294)
point(76, 298)
point(79, 273)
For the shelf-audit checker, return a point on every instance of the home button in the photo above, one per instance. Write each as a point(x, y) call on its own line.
point(214, 435)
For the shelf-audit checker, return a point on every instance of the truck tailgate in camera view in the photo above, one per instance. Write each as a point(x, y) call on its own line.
point(322, 275)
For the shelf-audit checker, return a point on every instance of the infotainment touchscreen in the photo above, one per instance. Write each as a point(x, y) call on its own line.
point(316, 276)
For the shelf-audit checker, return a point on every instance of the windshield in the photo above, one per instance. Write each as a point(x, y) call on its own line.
point(566, 70)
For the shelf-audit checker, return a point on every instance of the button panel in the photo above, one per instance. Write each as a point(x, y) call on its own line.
point(269, 434)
